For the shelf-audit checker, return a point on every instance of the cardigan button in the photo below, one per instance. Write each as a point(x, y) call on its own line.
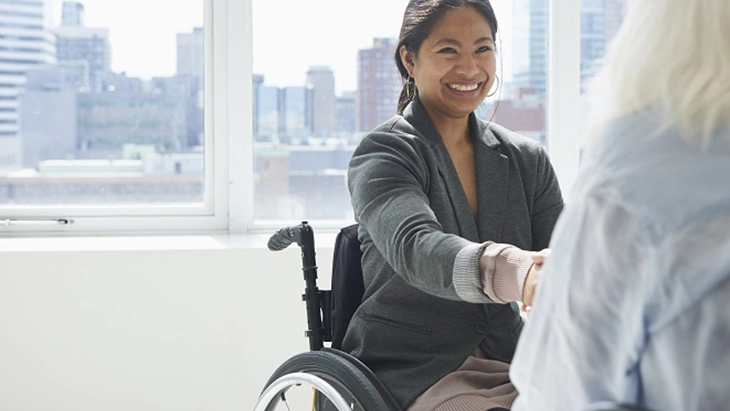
point(481, 327)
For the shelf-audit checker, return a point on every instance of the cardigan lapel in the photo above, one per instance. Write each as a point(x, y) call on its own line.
point(417, 116)
point(492, 173)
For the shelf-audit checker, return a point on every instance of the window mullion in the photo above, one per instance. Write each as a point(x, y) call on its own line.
point(564, 90)
point(239, 111)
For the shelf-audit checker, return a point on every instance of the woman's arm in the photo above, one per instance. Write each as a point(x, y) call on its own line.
point(388, 178)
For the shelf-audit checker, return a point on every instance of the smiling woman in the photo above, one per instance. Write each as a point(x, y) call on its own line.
point(450, 230)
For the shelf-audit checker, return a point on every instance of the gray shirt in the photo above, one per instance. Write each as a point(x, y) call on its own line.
point(424, 312)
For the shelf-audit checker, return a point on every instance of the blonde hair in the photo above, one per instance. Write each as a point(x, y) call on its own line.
point(672, 55)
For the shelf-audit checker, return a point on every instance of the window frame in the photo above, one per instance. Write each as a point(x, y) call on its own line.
point(226, 25)
point(228, 205)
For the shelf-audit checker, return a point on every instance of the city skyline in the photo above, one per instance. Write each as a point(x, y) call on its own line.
point(143, 44)
point(326, 39)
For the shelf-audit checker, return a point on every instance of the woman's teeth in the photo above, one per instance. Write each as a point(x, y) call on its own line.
point(464, 87)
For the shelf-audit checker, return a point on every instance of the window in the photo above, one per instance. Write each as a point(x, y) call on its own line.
point(600, 20)
point(106, 121)
point(347, 85)
point(262, 137)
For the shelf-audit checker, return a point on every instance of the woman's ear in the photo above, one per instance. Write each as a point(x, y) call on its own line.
point(407, 58)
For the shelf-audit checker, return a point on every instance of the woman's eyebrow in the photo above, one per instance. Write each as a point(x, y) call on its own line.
point(448, 40)
point(483, 39)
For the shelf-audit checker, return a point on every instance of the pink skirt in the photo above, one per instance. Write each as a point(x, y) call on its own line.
point(477, 385)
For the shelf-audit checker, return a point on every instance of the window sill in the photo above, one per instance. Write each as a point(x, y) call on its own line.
point(146, 243)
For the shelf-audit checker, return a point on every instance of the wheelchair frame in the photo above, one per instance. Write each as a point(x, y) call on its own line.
point(341, 381)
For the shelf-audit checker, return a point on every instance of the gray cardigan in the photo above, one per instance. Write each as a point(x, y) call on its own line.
point(419, 238)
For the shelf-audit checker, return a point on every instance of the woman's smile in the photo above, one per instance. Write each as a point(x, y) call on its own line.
point(464, 87)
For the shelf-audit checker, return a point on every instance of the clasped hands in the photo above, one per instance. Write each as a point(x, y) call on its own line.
point(533, 278)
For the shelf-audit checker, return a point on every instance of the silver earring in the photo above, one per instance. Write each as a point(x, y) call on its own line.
point(410, 81)
point(496, 81)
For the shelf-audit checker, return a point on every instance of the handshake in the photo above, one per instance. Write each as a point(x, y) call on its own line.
point(533, 278)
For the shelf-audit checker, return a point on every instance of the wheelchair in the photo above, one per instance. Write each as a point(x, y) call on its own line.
point(339, 381)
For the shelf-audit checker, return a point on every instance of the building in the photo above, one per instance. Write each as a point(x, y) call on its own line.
point(48, 119)
point(190, 75)
point(321, 81)
point(25, 43)
point(523, 114)
point(294, 103)
point(379, 84)
point(600, 20)
point(345, 109)
point(530, 46)
point(265, 111)
point(191, 53)
point(75, 42)
point(108, 121)
point(72, 14)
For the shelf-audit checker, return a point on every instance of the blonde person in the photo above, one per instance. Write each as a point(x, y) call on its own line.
point(449, 207)
point(634, 302)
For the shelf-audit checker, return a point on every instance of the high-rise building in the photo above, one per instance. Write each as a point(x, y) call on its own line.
point(48, 119)
point(530, 45)
point(345, 115)
point(321, 81)
point(72, 14)
point(265, 110)
point(75, 42)
point(190, 53)
point(600, 20)
point(190, 72)
point(592, 36)
point(379, 84)
point(294, 102)
point(25, 43)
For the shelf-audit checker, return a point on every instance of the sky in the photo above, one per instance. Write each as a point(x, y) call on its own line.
point(289, 36)
point(142, 42)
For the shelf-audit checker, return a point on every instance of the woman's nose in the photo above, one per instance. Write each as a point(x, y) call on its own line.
point(467, 66)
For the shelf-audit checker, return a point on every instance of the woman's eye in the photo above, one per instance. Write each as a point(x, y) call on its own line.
point(484, 49)
point(450, 50)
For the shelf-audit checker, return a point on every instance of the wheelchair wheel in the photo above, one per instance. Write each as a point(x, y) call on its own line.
point(336, 381)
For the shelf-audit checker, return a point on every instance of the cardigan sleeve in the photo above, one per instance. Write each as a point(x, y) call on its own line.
point(388, 179)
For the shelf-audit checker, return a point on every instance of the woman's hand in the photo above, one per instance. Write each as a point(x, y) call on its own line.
point(533, 278)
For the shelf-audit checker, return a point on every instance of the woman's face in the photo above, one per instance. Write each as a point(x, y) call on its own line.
point(455, 66)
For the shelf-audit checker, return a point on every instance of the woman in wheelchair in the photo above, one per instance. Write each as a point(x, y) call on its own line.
point(452, 212)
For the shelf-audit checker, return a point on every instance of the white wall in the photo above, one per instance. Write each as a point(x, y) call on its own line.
point(116, 327)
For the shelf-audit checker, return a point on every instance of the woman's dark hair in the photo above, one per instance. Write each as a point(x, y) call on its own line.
point(418, 21)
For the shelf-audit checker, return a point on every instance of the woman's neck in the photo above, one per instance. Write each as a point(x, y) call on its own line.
point(454, 132)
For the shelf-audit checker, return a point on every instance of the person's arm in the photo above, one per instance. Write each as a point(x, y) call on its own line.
point(388, 179)
point(585, 332)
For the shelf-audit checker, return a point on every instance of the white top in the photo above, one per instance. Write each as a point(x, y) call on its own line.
point(634, 302)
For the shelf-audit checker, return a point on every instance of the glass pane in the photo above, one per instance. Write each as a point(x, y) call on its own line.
point(101, 101)
point(600, 20)
point(323, 79)
point(521, 101)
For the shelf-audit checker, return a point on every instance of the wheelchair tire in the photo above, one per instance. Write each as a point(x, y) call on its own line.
point(350, 382)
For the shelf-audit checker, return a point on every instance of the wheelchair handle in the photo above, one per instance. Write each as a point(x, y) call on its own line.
point(285, 236)
point(317, 301)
